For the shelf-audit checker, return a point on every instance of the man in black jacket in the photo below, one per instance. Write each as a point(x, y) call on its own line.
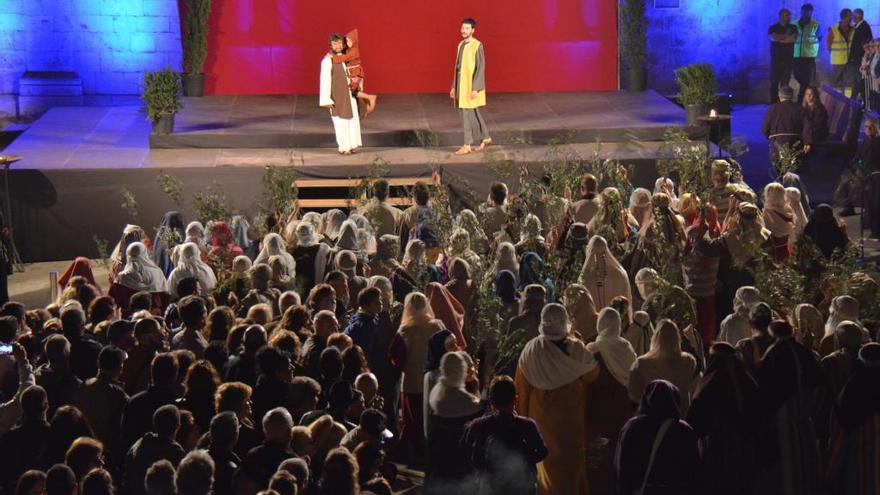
point(861, 35)
point(783, 124)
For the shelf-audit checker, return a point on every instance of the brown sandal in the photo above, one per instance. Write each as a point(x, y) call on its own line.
point(464, 150)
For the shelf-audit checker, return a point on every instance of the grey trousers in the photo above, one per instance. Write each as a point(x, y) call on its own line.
point(475, 129)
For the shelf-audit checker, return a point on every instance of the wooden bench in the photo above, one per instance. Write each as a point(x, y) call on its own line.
point(339, 202)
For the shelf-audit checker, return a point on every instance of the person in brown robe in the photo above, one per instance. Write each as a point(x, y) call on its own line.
point(352, 59)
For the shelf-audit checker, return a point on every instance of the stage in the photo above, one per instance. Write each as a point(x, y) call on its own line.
point(78, 161)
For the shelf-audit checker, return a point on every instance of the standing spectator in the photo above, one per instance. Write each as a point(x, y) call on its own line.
point(194, 315)
point(364, 325)
point(138, 414)
point(806, 49)
point(22, 446)
point(783, 124)
point(783, 35)
point(861, 37)
point(495, 209)
point(102, 400)
point(153, 446)
point(263, 460)
point(195, 476)
point(224, 435)
point(840, 37)
point(504, 447)
point(83, 350)
point(151, 339)
point(55, 376)
point(381, 215)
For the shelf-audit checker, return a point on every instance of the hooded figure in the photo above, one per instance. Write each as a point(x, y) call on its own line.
point(119, 255)
point(791, 179)
point(447, 309)
point(506, 259)
point(735, 326)
point(530, 238)
point(793, 199)
point(80, 267)
point(332, 224)
point(467, 220)
point(531, 271)
point(241, 236)
point(665, 361)
point(825, 231)
point(169, 235)
point(452, 407)
point(140, 273)
point(348, 238)
point(779, 218)
point(616, 352)
point(195, 232)
point(223, 246)
point(460, 247)
point(190, 265)
point(743, 231)
point(581, 311)
point(311, 257)
point(809, 325)
point(603, 275)
point(723, 414)
point(640, 206)
point(552, 377)
point(640, 332)
point(658, 428)
point(387, 253)
point(274, 245)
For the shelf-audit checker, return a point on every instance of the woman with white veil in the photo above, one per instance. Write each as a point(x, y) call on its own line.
point(273, 244)
point(467, 220)
point(603, 275)
point(190, 265)
point(139, 274)
point(505, 259)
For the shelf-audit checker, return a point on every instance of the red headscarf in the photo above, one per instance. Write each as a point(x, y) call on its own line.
point(80, 267)
point(447, 309)
point(223, 239)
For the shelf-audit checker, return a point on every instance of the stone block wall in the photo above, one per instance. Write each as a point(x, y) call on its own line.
point(108, 43)
point(732, 36)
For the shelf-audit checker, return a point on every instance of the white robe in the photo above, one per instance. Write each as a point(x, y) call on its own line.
point(348, 131)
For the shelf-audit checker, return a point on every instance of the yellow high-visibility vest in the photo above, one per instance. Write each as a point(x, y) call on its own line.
point(839, 46)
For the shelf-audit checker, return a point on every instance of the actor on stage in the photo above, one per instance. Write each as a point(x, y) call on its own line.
point(336, 96)
point(469, 89)
point(352, 59)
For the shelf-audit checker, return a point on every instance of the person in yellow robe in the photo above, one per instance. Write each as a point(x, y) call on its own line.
point(554, 372)
point(469, 89)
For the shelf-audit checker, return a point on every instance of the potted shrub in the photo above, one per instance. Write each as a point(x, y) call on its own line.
point(697, 88)
point(634, 44)
point(161, 96)
point(195, 46)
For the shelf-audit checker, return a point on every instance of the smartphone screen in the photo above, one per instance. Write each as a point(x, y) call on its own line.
point(5, 349)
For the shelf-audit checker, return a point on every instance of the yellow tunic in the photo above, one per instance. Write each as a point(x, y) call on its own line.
point(561, 415)
point(466, 77)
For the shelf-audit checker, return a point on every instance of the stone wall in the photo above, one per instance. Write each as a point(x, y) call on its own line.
point(109, 43)
point(732, 36)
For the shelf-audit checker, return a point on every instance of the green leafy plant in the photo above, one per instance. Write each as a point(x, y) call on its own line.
point(633, 33)
point(280, 183)
point(103, 249)
point(425, 138)
point(195, 35)
point(787, 158)
point(210, 204)
point(172, 186)
point(129, 202)
point(161, 94)
point(697, 84)
point(685, 160)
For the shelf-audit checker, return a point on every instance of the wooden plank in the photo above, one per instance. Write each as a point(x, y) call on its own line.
point(345, 202)
point(401, 181)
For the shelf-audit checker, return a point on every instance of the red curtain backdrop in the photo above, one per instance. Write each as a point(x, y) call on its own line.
point(408, 46)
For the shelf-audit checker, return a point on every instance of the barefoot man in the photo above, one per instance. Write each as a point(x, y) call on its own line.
point(469, 89)
point(336, 96)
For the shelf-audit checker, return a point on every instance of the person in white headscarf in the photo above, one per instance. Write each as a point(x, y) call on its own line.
point(640, 332)
point(332, 224)
point(467, 220)
point(190, 265)
point(140, 272)
point(603, 275)
point(119, 257)
point(665, 361)
point(273, 245)
point(314, 218)
point(505, 259)
point(348, 238)
point(452, 406)
point(611, 407)
point(809, 325)
point(240, 232)
point(779, 218)
point(366, 234)
point(386, 258)
point(640, 206)
point(736, 326)
point(667, 186)
point(530, 238)
point(552, 378)
point(793, 198)
point(843, 308)
point(195, 232)
point(460, 247)
point(311, 257)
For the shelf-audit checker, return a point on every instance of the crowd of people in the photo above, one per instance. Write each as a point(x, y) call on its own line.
point(580, 345)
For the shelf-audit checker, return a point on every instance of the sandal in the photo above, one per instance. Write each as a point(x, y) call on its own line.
point(464, 150)
point(484, 144)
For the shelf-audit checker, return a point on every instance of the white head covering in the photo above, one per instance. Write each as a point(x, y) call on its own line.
point(644, 280)
point(414, 258)
point(640, 332)
point(543, 362)
point(190, 265)
point(617, 353)
point(779, 218)
point(531, 230)
point(273, 244)
point(667, 186)
point(603, 275)
point(305, 235)
point(467, 220)
point(366, 235)
point(506, 259)
point(130, 234)
point(195, 232)
point(140, 272)
point(745, 299)
point(383, 284)
point(842, 308)
point(640, 205)
point(348, 238)
point(240, 227)
point(793, 198)
point(313, 218)
point(333, 223)
point(449, 398)
point(241, 265)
